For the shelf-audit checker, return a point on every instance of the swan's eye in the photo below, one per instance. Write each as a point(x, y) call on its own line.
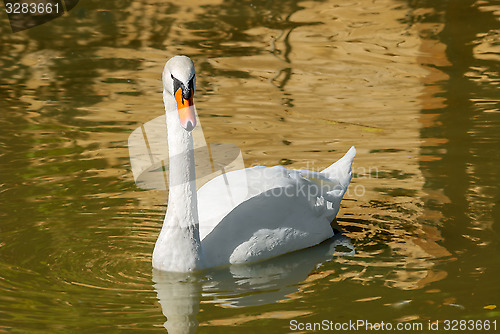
point(177, 84)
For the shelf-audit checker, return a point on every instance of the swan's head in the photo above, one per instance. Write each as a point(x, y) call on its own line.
point(179, 79)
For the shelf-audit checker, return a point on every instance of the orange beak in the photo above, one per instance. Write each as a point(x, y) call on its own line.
point(187, 115)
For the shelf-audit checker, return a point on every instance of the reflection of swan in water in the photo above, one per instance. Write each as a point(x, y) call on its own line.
point(242, 216)
point(179, 295)
point(239, 285)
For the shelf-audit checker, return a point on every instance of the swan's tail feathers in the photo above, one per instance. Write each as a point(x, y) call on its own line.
point(341, 169)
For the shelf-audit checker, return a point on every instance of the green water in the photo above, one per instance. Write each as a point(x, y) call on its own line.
point(412, 84)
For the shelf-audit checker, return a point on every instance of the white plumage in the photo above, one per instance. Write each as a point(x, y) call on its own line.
point(242, 216)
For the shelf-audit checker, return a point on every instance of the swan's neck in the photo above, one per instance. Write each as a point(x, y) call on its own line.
point(178, 247)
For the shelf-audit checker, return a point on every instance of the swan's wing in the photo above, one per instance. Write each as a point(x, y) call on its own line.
point(284, 212)
point(222, 194)
point(272, 212)
point(341, 169)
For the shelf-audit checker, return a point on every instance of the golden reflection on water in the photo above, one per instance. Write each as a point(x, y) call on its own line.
point(295, 83)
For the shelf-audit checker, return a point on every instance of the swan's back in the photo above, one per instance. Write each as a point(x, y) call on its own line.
point(260, 212)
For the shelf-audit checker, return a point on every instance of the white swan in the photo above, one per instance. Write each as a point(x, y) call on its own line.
point(261, 213)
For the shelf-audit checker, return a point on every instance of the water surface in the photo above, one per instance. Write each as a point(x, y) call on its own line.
point(412, 84)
